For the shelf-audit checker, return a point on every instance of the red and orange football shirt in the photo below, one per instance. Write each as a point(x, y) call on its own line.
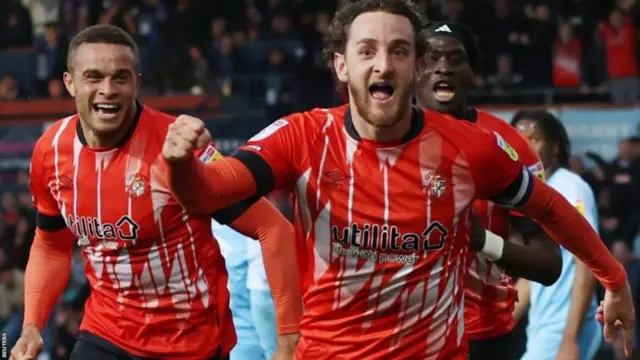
point(158, 281)
point(382, 229)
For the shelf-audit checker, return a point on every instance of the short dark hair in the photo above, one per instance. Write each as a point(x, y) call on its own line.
point(335, 41)
point(553, 130)
point(103, 34)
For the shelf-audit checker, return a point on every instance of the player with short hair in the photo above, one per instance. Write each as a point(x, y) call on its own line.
point(158, 282)
point(452, 57)
point(383, 198)
point(562, 323)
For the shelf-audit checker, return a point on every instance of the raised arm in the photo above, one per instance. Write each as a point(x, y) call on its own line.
point(206, 187)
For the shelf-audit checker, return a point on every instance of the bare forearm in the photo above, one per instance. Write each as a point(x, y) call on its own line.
point(522, 305)
point(584, 285)
point(533, 261)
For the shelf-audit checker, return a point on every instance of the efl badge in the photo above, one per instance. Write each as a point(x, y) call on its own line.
point(438, 186)
point(579, 205)
point(513, 154)
point(538, 170)
point(210, 154)
point(137, 186)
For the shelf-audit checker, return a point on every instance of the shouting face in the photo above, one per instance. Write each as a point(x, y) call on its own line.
point(379, 66)
point(104, 81)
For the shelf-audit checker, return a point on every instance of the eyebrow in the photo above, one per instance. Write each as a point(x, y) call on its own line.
point(395, 42)
point(118, 72)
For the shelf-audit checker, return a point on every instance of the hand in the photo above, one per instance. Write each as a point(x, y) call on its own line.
point(286, 347)
point(478, 234)
point(568, 350)
point(29, 344)
point(185, 135)
point(616, 312)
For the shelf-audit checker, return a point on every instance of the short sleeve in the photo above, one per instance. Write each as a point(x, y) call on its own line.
point(229, 214)
point(497, 170)
point(269, 155)
point(48, 215)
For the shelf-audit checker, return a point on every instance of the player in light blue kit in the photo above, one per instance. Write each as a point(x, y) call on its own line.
point(252, 306)
point(562, 321)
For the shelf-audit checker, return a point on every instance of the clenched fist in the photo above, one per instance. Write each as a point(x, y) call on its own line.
point(29, 344)
point(185, 135)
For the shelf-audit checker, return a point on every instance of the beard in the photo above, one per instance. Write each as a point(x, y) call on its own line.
point(385, 115)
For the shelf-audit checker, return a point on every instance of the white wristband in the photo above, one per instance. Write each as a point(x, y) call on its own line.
point(493, 246)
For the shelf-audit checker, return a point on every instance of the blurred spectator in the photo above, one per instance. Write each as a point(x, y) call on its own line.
point(501, 36)
point(118, 13)
point(505, 78)
point(619, 37)
point(42, 12)
point(52, 54)
point(16, 29)
point(199, 71)
point(224, 59)
point(55, 89)
point(9, 88)
point(625, 190)
point(567, 58)
point(278, 87)
point(537, 48)
point(147, 19)
point(218, 30)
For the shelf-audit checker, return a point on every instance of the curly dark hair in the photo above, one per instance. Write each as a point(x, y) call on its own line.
point(553, 130)
point(336, 39)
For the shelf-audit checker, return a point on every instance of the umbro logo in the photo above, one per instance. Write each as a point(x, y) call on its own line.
point(444, 28)
point(335, 178)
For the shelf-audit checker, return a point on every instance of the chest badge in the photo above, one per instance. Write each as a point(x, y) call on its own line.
point(137, 186)
point(434, 185)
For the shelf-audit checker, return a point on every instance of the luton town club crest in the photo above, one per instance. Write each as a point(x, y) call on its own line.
point(136, 186)
point(434, 184)
point(438, 186)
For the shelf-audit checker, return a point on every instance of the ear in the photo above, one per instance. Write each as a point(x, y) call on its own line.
point(68, 83)
point(340, 67)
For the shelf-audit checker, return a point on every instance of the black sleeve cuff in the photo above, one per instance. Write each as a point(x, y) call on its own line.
point(518, 192)
point(261, 171)
point(50, 223)
point(229, 214)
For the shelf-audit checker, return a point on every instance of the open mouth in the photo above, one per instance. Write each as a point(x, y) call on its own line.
point(381, 91)
point(106, 109)
point(444, 91)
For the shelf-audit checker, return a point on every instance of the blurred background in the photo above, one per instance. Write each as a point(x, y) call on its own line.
point(242, 64)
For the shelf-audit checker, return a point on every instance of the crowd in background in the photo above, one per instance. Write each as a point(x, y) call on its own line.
point(267, 54)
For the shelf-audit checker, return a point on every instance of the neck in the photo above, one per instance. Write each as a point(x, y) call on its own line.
point(550, 169)
point(460, 113)
point(96, 140)
point(381, 133)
